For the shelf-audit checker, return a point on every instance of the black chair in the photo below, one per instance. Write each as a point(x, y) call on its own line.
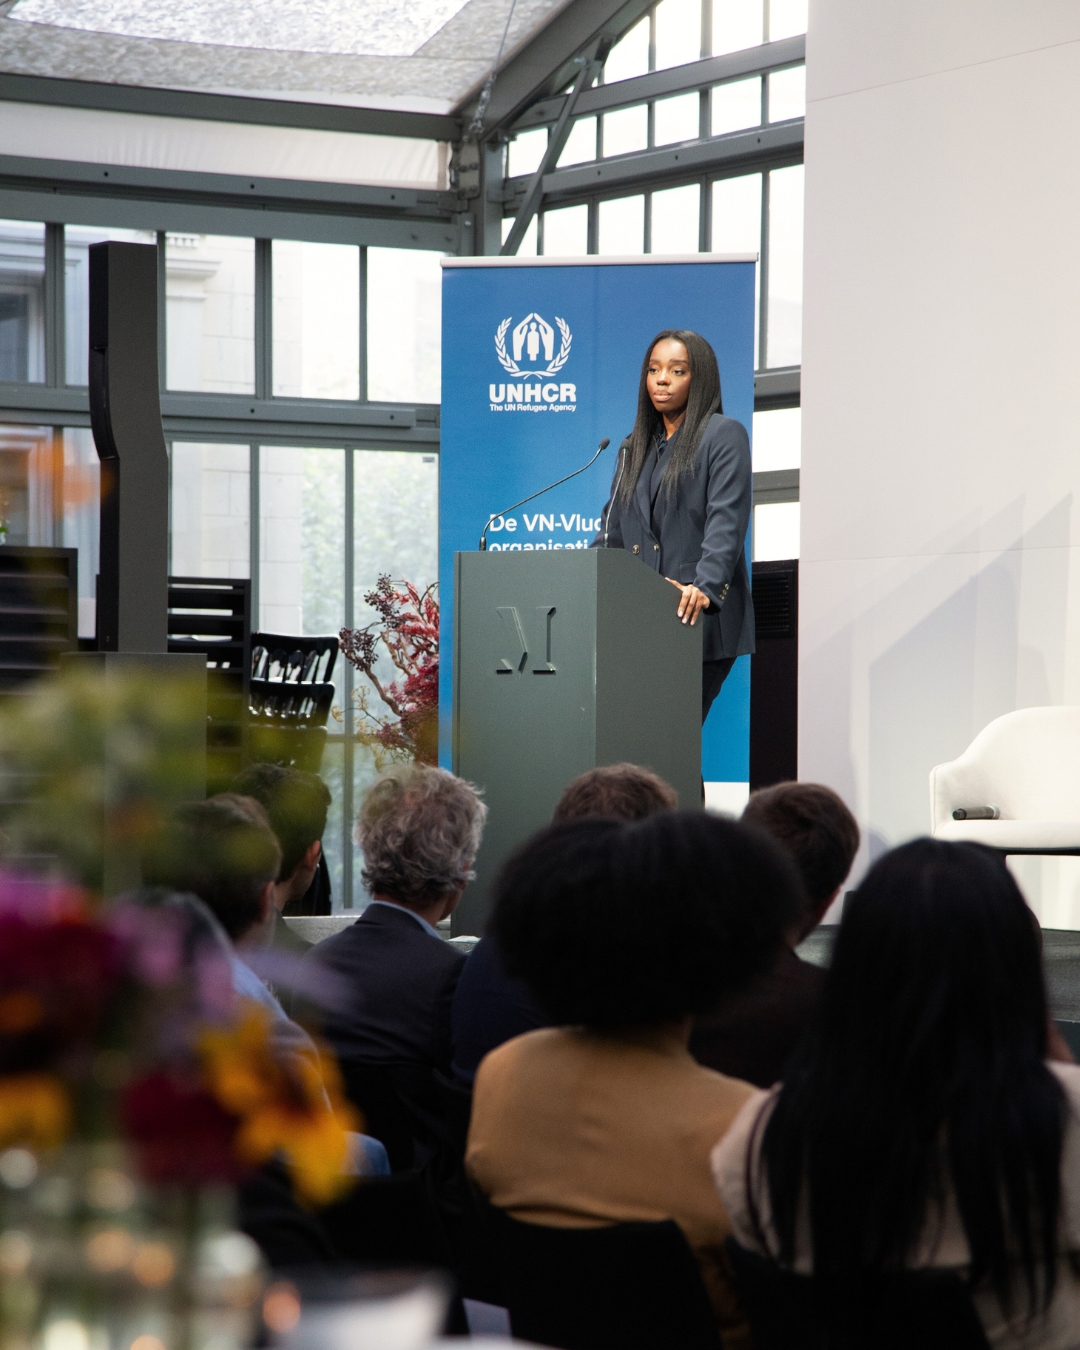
point(382, 1222)
point(894, 1310)
point(371, 1089)
point(288, 1234)
point(461, 1208)
point(454, 1101)
point(401, 1106)
point(291, 693)
point(388, 1220)
point(628, 1286)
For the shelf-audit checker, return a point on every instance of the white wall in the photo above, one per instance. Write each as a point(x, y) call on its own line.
point(941, 406)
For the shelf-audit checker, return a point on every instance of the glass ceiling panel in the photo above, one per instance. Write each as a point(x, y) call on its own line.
point(419, 55)
point(341, 27)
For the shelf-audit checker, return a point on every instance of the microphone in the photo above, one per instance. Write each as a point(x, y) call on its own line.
point(977, 813)
point(614, 490)
point(599, 450)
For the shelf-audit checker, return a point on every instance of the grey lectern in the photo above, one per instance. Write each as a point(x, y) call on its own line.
point(563, 661)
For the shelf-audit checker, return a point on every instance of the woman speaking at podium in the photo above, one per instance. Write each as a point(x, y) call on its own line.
point(681, 496)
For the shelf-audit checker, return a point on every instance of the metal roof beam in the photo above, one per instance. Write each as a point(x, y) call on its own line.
point(559, 134)
point(679, 79)
point(59, 191)
point(545, 64)
point(226, 107)
point(223, 189)
point(761, 145)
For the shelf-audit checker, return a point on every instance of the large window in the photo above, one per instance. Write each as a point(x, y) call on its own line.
point(22, 301)
point(316, 292)
point(777, 444)
point(210, 312)
point(340, 322)
point(300, 376)
point(676, 32)
point(784, 264)
point(404, 325)
point(744, 208)
point(248, 326)
point(748, 213)
point(720, 85)
point(210, 510)
point(309, 502)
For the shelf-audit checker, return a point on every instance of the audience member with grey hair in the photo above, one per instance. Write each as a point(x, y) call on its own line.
point(419, 829)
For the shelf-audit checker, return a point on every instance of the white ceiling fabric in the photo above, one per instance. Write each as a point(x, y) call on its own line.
point(189, 144)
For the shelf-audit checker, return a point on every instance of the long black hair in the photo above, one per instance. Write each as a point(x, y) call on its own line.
point(925, 1074)
point(703, 402)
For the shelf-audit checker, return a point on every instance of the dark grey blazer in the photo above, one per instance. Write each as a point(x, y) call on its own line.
point(402, 981)
point(702, 535)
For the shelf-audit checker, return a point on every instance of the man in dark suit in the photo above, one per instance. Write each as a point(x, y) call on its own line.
point(753, 1034)
point(419, 829)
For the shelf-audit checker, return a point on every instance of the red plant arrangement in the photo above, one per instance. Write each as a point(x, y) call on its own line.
point(407, 631)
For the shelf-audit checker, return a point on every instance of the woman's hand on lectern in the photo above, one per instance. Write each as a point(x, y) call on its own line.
point(692, 603)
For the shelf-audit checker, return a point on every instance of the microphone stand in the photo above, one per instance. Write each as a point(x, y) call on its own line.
point(599, 451)
point(614, 490)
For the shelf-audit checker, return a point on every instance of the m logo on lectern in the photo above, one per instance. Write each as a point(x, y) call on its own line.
point(515, 645)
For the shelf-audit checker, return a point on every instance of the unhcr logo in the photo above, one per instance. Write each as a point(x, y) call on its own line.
point(532, 355)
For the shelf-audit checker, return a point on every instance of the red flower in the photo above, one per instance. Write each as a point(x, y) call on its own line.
point(56, 980)
point(408, 630)
point(181, 1135)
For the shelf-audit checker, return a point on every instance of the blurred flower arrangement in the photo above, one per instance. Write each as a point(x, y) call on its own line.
point(135, 1091)
point(91, 764)
point(113, 1027)
point(407, 632)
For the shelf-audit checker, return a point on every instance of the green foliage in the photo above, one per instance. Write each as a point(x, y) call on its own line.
point(92, 762)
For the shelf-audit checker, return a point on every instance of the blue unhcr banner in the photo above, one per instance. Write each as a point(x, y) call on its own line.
point(540, 361)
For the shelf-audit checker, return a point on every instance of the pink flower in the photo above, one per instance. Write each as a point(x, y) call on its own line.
point(154, 940)
point(39, 899)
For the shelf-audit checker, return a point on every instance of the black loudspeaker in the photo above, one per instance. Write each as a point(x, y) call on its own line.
point(774, 675)
point(125, 414)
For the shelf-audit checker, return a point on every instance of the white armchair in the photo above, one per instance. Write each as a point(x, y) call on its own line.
point(1027, 764)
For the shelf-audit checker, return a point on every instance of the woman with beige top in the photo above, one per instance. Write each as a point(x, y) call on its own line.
point(922, 1125)
point(623, 933)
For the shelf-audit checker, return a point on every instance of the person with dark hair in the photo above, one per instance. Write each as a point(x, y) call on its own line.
point(681, 497)
point(921, 1124)
point(224, 852)
point(297, 804)
point(489, 1007)
point(812, 822)
point(754, 1033)
point(624, 933)
point(615, 792)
